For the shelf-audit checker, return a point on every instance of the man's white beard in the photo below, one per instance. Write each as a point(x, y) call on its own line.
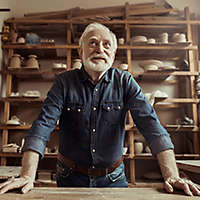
point(101, 66)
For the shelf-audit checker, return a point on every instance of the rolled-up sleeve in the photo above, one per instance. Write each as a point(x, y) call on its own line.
point(146, 120)
point(42, 127)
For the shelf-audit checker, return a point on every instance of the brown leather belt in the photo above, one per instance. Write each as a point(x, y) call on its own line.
point(88, 171)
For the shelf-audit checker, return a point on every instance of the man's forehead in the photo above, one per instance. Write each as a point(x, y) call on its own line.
point(96, 34)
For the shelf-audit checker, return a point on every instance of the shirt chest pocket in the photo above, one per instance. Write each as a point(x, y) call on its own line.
point(112, 113)
point(76, 114)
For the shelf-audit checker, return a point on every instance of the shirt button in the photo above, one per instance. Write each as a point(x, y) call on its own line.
point(79, 110)
point(94, 108)
point(93, 130)
point(93, 150)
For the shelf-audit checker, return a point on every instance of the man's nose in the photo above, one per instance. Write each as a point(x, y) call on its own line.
point(100, 48)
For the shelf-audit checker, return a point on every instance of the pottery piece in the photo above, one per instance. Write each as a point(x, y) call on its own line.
point(139, 38)
point(163, 38)
point(151, 41)
point(77, 64)
point(32, 38)
point(14, 120)
point(138, 146)
point(125, 149)
point(15, 61)
point(123, 66)
point(59, 66)
point(121, 41)
point(32, 62)
point(21, 40)
point(31, 93)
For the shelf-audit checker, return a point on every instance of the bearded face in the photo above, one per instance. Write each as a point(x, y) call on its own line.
point(97, 52)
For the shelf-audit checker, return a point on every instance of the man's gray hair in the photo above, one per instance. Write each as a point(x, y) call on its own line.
point(97, 26)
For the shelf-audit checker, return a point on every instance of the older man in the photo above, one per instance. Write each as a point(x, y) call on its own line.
point(91, 104)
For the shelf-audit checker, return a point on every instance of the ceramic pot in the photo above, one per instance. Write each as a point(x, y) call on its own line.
point(21, 40)
point(32, 38)
point(15, 61)
point(138, 146)
point(123, 66)
point(164, 38)
point(32, 62)
point(121, 41)
point(77, 64)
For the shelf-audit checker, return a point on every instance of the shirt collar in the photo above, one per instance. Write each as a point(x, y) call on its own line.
point(84, 75)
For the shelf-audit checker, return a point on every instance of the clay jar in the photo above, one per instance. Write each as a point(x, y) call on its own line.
point(77, 64)
point(32, 62)
point(15, 61)
point(138, 146)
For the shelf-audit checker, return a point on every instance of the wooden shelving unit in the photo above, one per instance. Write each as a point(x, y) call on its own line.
point(186, 50)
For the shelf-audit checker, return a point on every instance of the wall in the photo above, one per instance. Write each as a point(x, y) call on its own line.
point(28, 6)
point(3, 16)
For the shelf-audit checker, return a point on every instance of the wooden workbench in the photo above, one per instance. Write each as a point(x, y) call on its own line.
point(46, 193)
point(189, 165)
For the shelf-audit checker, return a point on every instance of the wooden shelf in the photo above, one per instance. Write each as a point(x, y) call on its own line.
point(171, 128)
point(41, 99)
point(46, 155)
point(38, 46)
point(22, 99)
point(178, 156)
point(141, 20)
point(170, 46)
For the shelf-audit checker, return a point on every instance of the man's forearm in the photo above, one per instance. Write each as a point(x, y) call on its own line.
point(167, 164)
point(29, 164)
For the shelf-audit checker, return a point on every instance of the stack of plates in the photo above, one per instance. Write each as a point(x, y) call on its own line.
point(149, 65)
point(139, 38)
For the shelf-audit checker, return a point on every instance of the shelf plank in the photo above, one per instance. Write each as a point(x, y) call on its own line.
point(142, 156)
point(22, 99)
point(173, 46)
point(170, 46)
point(41, 99)
point(165, 73)
point(141, 20)
point(172, 128)
point(176, 100)
point(189, 165)
point(39, 46)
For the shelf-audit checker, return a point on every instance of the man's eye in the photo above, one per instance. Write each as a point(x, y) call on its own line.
point(92, 43)
point(107, 44)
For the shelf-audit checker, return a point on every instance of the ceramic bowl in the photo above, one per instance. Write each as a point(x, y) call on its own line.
point(139, 38)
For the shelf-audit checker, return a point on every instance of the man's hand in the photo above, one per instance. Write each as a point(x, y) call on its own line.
point(25, 183)
point(188, 186)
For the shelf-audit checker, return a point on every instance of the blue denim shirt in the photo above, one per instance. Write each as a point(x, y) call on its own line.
point(92, 118)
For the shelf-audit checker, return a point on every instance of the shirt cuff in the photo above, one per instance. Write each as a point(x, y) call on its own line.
point(161, 143)
point(35, 144)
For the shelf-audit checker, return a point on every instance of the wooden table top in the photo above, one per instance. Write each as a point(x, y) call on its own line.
point(189, 165)
point(54, 193)
point(9, 171)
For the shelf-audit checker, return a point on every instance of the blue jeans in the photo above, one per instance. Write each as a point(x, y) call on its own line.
point(65, 177)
